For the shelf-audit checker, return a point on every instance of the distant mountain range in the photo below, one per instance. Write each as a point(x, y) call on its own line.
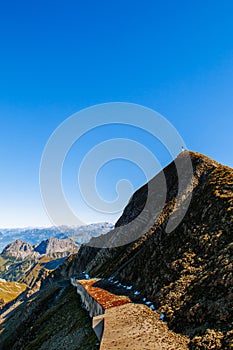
point(32, 252)
point(50, 247)
point(33, 236)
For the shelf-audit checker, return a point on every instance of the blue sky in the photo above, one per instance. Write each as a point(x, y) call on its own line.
point(58, 57)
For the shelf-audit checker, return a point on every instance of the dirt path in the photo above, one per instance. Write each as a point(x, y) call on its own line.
point(136, 327)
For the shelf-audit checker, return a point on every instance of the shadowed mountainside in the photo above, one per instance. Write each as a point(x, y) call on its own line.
point(52, 246)
point(186, 273)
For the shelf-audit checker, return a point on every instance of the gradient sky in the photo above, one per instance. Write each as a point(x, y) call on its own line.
point(58, 57)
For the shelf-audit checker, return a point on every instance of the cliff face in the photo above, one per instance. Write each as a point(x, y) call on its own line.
point(186, 272)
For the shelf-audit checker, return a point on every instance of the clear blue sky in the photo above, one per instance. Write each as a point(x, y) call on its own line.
point(58, 57)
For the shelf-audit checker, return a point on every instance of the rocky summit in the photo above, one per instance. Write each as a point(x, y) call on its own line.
point(18, 249)
point(51, 246)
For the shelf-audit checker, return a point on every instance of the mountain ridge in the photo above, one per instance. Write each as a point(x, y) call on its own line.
point(187, 272)
point(35, 235)
point(21, 250)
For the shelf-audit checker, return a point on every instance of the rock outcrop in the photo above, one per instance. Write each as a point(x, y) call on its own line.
point(53, 320)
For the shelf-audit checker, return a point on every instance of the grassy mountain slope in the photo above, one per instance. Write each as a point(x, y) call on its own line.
point(10, 290)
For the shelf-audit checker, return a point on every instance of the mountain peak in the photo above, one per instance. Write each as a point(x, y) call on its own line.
point(50, 247)
point(18, 249)
point(55, 245)
point(186, 272)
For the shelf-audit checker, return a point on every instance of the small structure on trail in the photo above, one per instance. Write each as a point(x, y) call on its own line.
point(97, 300)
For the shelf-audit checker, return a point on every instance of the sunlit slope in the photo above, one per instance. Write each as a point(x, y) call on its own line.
point(10, 290)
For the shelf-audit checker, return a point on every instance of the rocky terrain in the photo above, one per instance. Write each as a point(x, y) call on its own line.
point(186, 273)
point(18, 250)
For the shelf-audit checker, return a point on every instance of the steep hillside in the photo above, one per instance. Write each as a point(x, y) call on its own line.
point(52, 320)
point(187, 272)
point(12, 269)
point(39, 272)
